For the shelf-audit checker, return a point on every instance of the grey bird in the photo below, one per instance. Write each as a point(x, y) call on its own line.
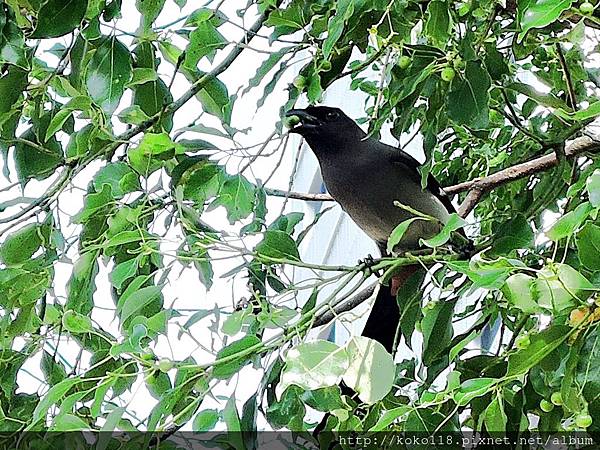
point(366, 177)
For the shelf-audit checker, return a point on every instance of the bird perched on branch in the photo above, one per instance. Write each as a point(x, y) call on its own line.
point(368, 179)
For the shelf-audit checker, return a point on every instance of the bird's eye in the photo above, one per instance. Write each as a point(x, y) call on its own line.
point(331, 115)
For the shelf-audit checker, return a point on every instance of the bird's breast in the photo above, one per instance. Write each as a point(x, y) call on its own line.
point(367, 192)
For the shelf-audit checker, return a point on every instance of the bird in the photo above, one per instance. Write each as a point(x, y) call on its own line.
point(368, 178)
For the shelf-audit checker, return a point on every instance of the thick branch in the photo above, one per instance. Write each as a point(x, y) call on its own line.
point(348, 305)
point(480, 186)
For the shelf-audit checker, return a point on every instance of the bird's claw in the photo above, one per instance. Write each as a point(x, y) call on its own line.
point(368, 263)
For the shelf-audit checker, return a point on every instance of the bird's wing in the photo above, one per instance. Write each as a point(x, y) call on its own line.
point(398, 156)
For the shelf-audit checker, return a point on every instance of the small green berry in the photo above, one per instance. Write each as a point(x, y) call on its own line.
point(325, 66)
point(448, 74)
point(430, 305)
point(586, 8)
point(291, 122)
point(404, 61)
point(299, 81)
point(522, 342)
point(583, 420)
point(546, 406)
point(556, 398)
point(458, 63)
point(464, 9)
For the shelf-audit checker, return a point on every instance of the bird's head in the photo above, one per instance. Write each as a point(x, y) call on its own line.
point(324, 126)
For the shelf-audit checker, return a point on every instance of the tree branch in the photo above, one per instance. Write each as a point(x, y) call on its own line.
point(479, 186)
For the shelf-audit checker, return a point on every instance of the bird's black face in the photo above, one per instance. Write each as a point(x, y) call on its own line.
point(325, 124)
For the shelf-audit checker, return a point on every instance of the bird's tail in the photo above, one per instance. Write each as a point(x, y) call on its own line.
point(383, 321)
point(384, 318)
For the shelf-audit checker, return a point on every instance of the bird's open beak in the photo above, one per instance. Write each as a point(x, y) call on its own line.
point(305, 121)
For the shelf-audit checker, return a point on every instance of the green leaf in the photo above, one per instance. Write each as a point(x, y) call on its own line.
point(325, 399)
point(227, 369)
point(76, 323)
point(54, 372)
point(36, 161)
point(560, 287)
point(133, 303)
point(437, 330)
point(438, 22)
point(278, 245)
point(233, 324)
point(409, 302)
point(158, 383)
point(469, 97)
point(344, 10)
point(12, 42)
point(11, 88)
point(69, 422)
point(237, 196)
point(591, 111)
point(265, 68)
point(152, 150)
point(54, 394)
point(539, 13)
point(455, 222)
point(567, 224)
point(214, 98)
point(205, 420)
point(588, 246)
point(427, 422)
point(313, 365)
point(389, 416)
point(494, 416)
point(548, 100)
point(398, 233)
point(58, 17)
point(150, 10)
point(20, 245)
point(511, 235)
point(542, 344)
point(475, 387)
point(142, 75)
point(371, 372)
point(82, 284)
point(232, 422)
point(107, 72)
point(518, 290)
point(80, 103)
point(205, 40)
point(592, 185)
point(133, 115)
point(120, 177)
point(123, 272)
point(151, 97)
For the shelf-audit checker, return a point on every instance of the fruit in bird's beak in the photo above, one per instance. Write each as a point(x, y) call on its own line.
point(291, 121)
